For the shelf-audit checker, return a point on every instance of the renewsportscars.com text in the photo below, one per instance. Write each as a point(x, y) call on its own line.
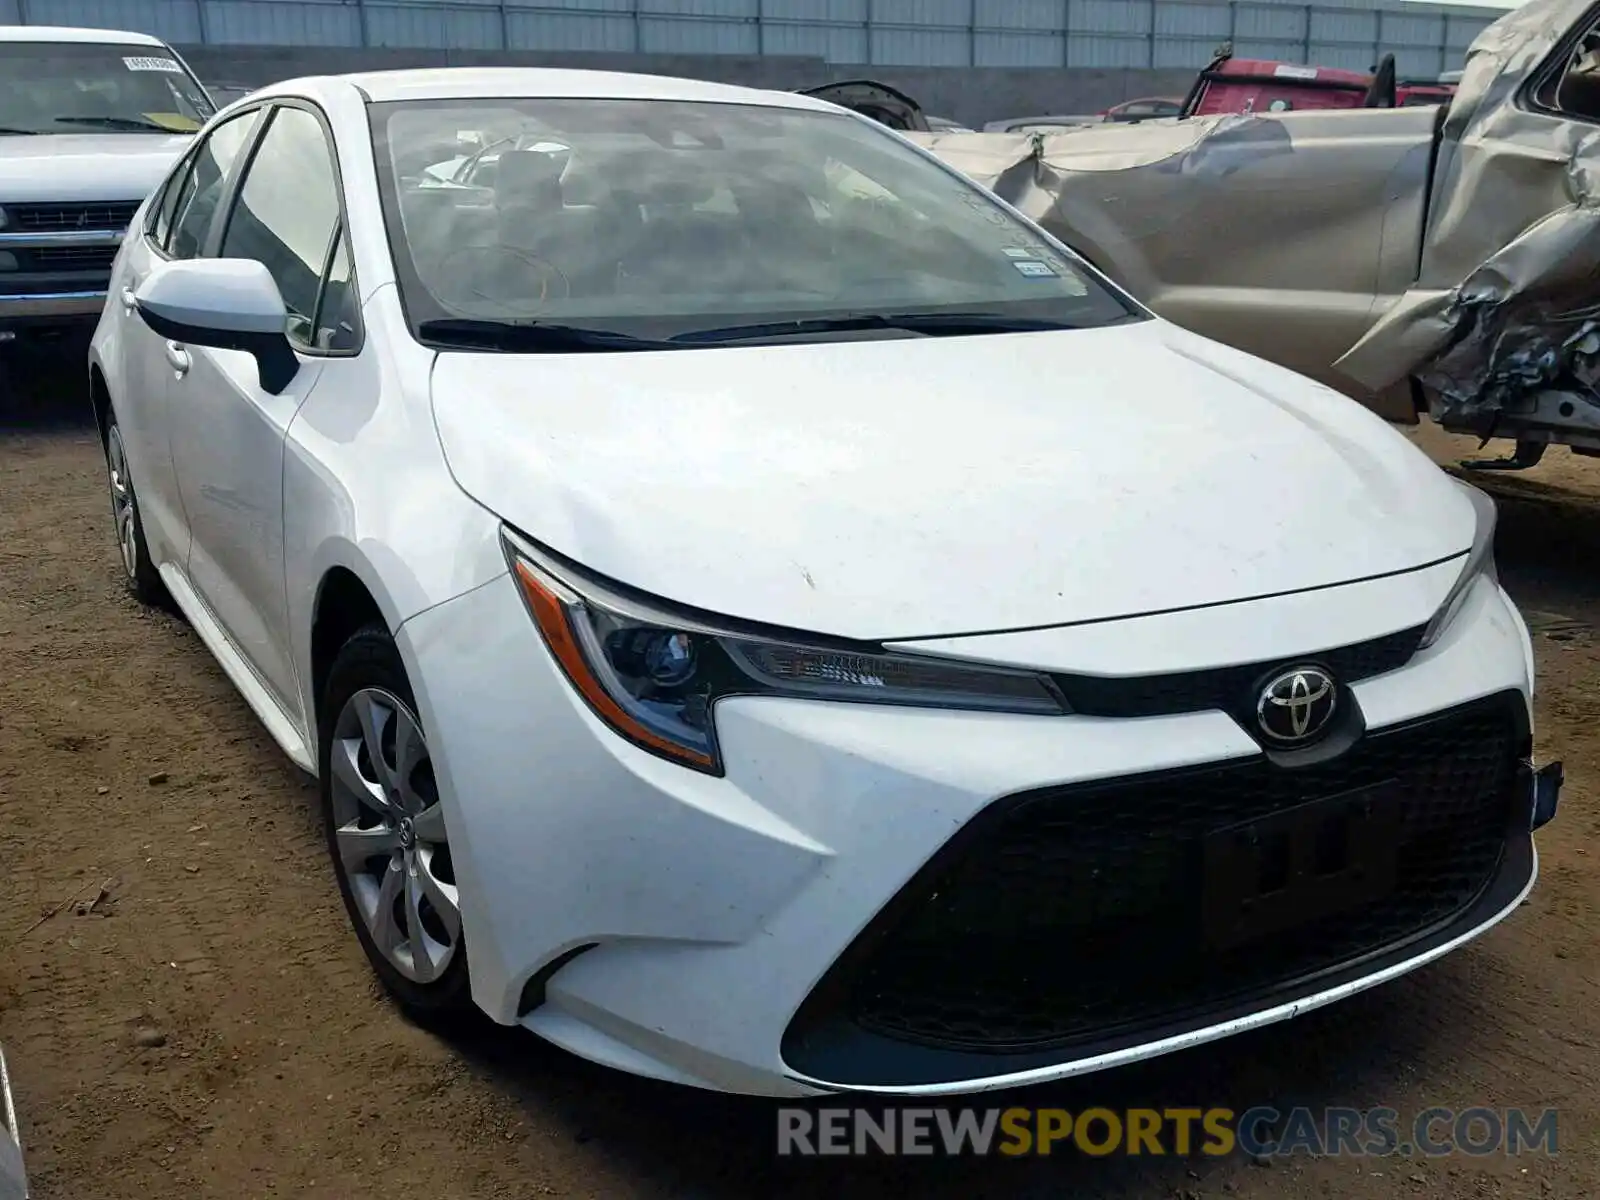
point(1261, 1132)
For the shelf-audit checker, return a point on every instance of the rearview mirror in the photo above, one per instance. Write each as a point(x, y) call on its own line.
point(224, 303)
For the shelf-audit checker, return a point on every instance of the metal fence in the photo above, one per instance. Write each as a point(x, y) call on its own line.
point(934, 33)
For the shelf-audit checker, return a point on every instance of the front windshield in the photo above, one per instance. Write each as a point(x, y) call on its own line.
point(660, 219)
point(72, 87)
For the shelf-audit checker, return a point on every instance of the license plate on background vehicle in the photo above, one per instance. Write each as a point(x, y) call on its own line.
point(1300, 864)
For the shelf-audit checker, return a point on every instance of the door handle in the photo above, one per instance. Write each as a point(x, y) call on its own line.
point(128, 301)
point(178, 359)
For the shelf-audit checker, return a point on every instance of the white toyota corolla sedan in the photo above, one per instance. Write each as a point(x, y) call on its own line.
point(766, 616)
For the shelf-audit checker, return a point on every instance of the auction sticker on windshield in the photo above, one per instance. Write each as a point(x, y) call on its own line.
point(176, 122)
point(1034, 270)
point(153, 64)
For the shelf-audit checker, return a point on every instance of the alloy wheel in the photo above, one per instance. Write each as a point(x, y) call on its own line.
point(124, 507)
point(390, 834)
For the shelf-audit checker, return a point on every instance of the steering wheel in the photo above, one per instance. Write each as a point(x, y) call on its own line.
point(471, 263)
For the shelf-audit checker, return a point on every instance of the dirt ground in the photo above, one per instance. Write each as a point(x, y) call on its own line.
point(187, 1014)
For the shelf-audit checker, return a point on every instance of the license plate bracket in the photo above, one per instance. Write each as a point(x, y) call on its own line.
point(1300, 864)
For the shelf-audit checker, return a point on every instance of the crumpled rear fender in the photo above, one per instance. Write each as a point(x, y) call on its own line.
point(1502, 328)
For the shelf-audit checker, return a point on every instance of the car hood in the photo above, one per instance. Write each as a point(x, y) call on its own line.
point(70, 167)
point(932, 486)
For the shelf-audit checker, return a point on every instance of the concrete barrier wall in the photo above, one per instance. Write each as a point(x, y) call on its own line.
point(971, 95)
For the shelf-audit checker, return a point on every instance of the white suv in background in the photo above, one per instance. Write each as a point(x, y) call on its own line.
point(90, 121)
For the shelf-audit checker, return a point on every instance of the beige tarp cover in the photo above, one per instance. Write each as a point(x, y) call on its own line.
point(1507, 296)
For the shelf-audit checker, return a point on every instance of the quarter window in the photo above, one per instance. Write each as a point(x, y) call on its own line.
point(201, 191)
point(337, 317)
point(159, 223)
point(286, 214)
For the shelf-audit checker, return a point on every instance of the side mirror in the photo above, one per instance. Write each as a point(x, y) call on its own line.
point(1383, 91)
point(224, 303)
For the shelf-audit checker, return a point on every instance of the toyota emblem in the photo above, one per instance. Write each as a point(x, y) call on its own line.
point(1296, 706)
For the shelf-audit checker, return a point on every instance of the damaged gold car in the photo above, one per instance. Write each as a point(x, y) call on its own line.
point(1436, 261)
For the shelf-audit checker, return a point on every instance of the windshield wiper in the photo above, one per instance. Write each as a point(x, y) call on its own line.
point(931, 324)
point(530, 337)
point(109, 122)
point(10, 132)
point(534, 337)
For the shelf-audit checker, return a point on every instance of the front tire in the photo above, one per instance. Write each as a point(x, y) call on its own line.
point(143, 580)
point(386, 833)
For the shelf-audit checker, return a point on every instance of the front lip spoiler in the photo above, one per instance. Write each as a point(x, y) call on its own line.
point(1521, 852)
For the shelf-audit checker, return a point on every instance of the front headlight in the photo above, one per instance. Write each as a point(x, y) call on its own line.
point(1480, 561)
point(655, 676)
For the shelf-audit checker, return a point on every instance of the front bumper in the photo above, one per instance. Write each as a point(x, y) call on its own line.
point(18, 310)
point(57, 275)
point(678, 925)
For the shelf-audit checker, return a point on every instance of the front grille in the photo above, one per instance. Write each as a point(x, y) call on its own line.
point(1073, 914)
point(1223, 688)
point(67, 258)
point(53, 218)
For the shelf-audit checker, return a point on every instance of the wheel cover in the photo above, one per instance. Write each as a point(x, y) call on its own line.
point(124, 507)
point(390, 836)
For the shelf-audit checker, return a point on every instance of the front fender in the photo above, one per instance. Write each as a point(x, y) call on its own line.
point(366, 489)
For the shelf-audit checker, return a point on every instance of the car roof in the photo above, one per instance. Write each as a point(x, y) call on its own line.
point(478, 83)
point(65, 33)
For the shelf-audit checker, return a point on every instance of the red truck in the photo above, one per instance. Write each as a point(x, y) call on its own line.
point(1246, 85)
point(1226, 85)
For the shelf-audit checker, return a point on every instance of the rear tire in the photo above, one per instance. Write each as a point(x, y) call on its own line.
point(143, 580)
point(385, 831)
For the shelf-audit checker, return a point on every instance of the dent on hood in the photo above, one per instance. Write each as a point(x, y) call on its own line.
point(1504, 306)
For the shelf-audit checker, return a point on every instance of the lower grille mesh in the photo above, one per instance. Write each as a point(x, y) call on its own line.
point(1077, 914)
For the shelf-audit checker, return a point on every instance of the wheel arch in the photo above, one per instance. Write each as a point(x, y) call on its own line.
point(343, 606)
point(351, 559)
point(348, 596)
point(100, 400)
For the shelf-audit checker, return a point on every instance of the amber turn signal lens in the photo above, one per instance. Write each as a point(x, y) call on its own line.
point(551, 614)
